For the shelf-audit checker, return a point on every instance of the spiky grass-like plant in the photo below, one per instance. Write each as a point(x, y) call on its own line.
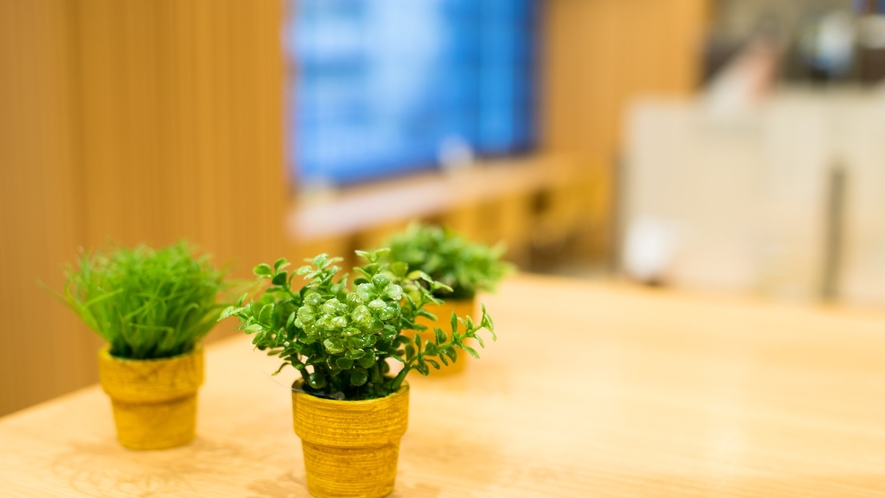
point(146, 303)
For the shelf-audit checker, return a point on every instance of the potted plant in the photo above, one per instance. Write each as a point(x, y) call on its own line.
point(152, 307)
point(466, 268)
point(350, 408)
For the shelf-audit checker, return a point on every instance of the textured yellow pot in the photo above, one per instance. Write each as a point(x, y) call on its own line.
point(155, 401)
point(462, 308)
point(350, 447)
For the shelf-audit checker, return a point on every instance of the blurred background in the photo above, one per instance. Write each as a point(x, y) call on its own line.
point(728, 146)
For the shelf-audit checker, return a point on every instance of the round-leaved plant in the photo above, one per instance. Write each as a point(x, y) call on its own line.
point(464, 267)
point(340, 336)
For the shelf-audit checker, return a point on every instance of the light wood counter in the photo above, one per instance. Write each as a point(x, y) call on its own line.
point(592, 390)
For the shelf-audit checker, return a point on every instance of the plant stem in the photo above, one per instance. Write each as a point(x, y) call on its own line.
point(398, 380)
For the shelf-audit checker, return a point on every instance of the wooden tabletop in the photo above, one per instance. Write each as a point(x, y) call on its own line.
point(591, 390)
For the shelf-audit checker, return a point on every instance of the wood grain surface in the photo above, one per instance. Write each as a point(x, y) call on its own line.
point(137, 122)
point(591, 390)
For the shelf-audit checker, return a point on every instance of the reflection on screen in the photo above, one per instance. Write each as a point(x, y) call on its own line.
point(382, 87)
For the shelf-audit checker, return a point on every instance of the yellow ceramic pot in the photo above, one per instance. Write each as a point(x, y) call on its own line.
point(155, 401)
point(350, 447)
point(443, 312)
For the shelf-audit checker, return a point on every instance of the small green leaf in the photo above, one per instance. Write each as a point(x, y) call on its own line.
point(313, 299)
point(418, 342)
point(358, 377)
point(333, 345)
point(343, 363)
point(422, 368)
point(452, 353)
point(389, 332)
point(226, 313)
point(320, 260)
point(354, 354)
point(367, 360)
point(263, 270)
point(439, 286)
point(394, 292)
point(472, 351)
point(399, 268)
point(266, 314)
point(380, 281)
point(415, 275)
point(280, 278)
point(390, 311)
point(488, 323)
point(316, 380)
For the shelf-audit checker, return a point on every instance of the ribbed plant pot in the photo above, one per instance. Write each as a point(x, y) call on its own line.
point(350, 447)
point(443, 312)
point(154, 401)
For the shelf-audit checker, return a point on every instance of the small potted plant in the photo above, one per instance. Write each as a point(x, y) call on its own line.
point(465, 268)
point(350, 408)
point(152, 307)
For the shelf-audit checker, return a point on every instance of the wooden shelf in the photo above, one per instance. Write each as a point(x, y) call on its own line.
point(348, 211)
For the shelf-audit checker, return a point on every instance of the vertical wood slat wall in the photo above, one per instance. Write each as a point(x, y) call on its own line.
point(145, 121)
point(598, 56)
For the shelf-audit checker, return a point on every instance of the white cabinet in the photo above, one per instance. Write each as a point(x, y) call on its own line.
point(740, 202)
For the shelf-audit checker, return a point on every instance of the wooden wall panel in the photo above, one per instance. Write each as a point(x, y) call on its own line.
point(147, 121)
point(599, 54)
point(137, 122)
point(184, 112)
point(39, 198)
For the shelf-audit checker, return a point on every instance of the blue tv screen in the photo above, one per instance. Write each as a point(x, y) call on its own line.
point(381, 87)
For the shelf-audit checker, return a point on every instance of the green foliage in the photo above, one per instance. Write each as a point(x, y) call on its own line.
point(339, 337)
point(449, 258)
point(146, 303)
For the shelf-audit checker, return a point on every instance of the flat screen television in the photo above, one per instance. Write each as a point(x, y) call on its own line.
point(384, 87)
